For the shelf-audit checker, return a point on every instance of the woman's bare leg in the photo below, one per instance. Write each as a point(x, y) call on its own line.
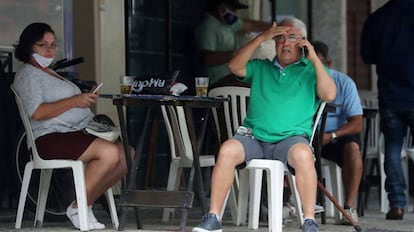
point(105, 165)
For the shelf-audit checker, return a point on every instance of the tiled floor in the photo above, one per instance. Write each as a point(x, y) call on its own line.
point(151, 220)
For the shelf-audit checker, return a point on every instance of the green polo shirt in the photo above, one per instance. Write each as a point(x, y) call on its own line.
point(213, 35)
point(282, 101)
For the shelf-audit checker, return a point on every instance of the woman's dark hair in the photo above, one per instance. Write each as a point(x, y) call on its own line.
point(30, 35)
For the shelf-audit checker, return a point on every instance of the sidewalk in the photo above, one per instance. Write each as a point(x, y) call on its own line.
point(151, 220)
point(372, 221)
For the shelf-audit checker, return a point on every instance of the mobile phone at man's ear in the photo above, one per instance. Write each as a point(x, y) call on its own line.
point(304, 51)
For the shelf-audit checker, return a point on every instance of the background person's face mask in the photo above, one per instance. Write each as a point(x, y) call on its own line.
point(229, 16)
point(42, 61)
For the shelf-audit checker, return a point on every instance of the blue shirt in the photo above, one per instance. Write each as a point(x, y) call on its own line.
point(387, 40)
point(348, 99)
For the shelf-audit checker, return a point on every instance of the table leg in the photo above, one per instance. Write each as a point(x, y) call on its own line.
point(124, 134)
point(361, 192)
point(132, 166)
point(184, 216)
point(152, 153)
point(125, 142)
point(196, 157)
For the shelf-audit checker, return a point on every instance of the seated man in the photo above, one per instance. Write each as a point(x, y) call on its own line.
point(285, 94)
point(341, 142)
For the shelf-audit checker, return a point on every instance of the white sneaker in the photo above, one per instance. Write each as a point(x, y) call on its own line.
point(93, 222)
point(288, 212)
point(319, 208)
point(354, 215)
point(73, 215)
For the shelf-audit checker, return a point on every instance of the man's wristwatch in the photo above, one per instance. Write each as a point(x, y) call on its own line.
point(334, 137)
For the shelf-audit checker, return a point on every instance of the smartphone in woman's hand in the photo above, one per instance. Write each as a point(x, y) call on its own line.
point(97, 88)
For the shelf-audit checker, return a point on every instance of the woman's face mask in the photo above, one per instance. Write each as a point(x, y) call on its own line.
point(42, 61)
point(229, 16)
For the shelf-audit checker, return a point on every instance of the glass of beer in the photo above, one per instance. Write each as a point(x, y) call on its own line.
point(201, 84)
point(126, 84)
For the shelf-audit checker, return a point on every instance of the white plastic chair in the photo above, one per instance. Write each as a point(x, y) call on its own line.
point(235, 112)
point(174, 117)
point(333, 182)
point(410, 147)
point(46, 167)
point(368, 98)
point(373, 152)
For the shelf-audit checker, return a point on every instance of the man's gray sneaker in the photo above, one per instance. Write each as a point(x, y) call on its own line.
point(209, 223)
point(354, 215)
point(310, 225)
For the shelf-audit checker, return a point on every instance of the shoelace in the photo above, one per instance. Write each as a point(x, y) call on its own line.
point(312, 222)
point(206, 217)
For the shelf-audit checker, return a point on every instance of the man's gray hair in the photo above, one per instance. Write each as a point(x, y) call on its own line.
point(296, 23)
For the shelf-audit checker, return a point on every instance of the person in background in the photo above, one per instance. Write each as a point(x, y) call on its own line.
point(341, 140)
point(287, 89)
point(45, 96)
point(217, 39)
point(387, 41)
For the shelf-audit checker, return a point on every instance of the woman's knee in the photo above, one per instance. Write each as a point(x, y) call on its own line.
point(122, 164)
point(109, 153)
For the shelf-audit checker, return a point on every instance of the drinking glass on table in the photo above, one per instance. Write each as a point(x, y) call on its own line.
point(201, 84)
point(126, 84)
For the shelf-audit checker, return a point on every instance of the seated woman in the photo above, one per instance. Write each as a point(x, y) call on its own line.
point(47, 96)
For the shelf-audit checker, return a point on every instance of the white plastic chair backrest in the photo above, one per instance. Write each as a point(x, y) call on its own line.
point(175, 121)
point(374, 133)
point(170, 133)
point(317, 118)
point(409, 140)
point(410, 145)
point(407, 143)
point(235, 110)
point(182, 122)
point(27, 127)
point(369, 99)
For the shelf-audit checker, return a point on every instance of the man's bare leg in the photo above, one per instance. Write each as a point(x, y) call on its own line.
point(351, 173)
point(231, 154)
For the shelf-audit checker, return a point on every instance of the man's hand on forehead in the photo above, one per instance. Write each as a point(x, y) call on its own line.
point(276, 30)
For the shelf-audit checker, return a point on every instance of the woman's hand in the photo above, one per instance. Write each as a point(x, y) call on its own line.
point(53, 109)
point(84, 100)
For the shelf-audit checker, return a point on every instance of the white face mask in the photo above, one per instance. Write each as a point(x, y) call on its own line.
point(42, 61)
